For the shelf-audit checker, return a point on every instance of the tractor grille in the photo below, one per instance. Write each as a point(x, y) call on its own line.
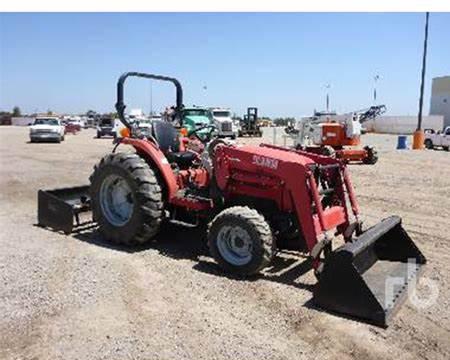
point(226, 126)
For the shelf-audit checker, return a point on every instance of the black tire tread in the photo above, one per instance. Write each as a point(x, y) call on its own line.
point(148, 194)
point(257, 222)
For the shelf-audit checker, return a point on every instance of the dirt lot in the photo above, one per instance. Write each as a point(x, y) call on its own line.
point(76, 297)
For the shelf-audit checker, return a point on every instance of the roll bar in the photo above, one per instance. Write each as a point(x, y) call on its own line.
point(120, 105)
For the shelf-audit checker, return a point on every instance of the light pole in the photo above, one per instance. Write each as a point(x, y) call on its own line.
point(151, 98)
point(419, 135)
point(204, 87)
point(375, 79)
point(327, 86)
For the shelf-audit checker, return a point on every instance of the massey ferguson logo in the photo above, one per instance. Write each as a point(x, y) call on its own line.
point(265, 162)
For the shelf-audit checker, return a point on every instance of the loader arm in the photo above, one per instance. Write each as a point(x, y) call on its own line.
point(286, 177)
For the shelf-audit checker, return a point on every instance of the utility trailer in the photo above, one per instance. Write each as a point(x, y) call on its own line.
point(253, 199)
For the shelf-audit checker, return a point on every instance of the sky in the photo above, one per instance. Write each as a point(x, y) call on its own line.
point(280, 63)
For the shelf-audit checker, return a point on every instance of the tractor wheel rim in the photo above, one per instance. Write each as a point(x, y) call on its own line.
point(235, 245)
point(116, 200)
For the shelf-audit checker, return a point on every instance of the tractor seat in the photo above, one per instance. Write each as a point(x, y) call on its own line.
point(167, 137)
point(183, 159)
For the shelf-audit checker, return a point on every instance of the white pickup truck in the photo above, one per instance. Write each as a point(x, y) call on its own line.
point(47, 129)
point(437, 139)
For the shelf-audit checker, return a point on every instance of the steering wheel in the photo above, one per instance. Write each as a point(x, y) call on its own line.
point(204, 138)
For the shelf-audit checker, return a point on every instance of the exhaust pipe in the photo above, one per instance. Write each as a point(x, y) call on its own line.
point(369, 278)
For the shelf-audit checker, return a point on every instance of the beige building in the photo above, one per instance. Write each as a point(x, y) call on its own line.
point(440, 98)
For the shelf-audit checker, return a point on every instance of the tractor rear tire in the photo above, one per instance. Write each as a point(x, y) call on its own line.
point(127, 201)
point(241, 241)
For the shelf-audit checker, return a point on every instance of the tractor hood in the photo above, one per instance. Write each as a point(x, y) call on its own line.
point(197, 120)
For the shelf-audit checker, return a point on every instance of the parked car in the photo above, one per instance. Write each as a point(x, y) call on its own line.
point(47, 129)
point(77, 123)
point(106, 127)
point(72, 127)
point(437, 139)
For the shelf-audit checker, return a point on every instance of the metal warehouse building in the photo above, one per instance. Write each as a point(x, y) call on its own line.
point(440, 98)
point(403, 124)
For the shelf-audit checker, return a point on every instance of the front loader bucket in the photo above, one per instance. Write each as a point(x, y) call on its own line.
point(60, 209)
point(369, 278)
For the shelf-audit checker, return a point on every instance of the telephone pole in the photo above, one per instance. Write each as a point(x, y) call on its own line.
point(327, 86)
point(375, 79)
point(419, 134)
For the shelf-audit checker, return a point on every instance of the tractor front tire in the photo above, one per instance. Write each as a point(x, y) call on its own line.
point(241, 241)
point(127, 201)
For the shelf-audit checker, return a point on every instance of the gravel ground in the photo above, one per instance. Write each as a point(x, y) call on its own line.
point(77, 297)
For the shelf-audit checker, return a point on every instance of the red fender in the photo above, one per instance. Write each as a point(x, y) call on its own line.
point(151, 152)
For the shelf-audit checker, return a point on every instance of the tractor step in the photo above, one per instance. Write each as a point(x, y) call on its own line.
point(60, 209)
point(193, 203)
point(369, 277)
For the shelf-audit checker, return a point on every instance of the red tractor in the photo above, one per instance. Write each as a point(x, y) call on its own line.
point(256, 200)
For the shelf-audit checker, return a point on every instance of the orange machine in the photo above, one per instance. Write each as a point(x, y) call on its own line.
point(338, 135)
point(334, 136)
